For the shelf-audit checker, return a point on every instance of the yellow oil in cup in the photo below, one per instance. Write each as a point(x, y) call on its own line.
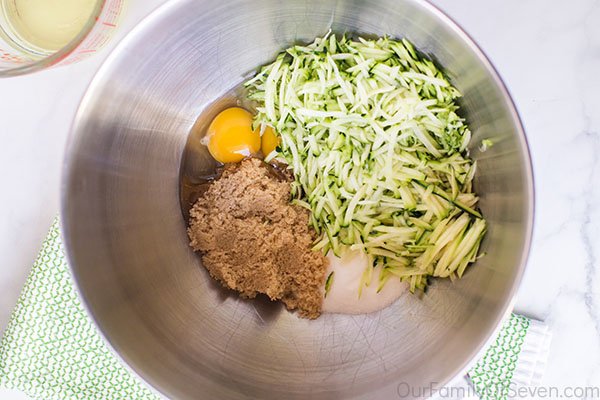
point(45, 26)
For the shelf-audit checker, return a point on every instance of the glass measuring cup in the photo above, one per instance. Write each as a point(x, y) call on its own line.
point(39, 34)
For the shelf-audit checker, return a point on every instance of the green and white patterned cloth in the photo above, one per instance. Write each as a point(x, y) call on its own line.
point(51, 350)
point(516, 358)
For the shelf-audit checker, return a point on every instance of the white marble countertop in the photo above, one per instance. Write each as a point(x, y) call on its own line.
point(548, 54)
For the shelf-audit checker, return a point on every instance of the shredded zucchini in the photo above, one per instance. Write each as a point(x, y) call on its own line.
point(379, 154)
point(328, 282)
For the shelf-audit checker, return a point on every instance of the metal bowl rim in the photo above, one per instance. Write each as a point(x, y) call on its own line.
point(146, 22)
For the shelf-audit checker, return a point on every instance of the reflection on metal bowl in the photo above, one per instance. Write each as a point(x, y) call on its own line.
point(148, 292)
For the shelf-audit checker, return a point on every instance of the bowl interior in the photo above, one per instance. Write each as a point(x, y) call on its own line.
point(148, 292)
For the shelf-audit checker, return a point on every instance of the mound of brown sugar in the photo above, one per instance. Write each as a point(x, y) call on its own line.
point(254, 241)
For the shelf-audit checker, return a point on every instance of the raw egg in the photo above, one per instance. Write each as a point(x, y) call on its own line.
point(270, 141)
point(230, 136)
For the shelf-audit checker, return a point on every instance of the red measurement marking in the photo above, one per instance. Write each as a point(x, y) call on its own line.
point(109, 24)
point(87, 51)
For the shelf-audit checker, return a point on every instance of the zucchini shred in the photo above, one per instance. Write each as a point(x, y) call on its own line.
point(379, 155)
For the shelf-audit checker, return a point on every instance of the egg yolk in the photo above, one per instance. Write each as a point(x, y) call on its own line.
point(270, 141)
point(230, 136)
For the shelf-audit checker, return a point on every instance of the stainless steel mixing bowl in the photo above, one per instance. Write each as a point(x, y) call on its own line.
point(148, 292)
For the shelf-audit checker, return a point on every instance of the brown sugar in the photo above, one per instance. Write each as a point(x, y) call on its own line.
point(254, 241)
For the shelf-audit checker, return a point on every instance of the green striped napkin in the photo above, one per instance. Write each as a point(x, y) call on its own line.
point(52, 351)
